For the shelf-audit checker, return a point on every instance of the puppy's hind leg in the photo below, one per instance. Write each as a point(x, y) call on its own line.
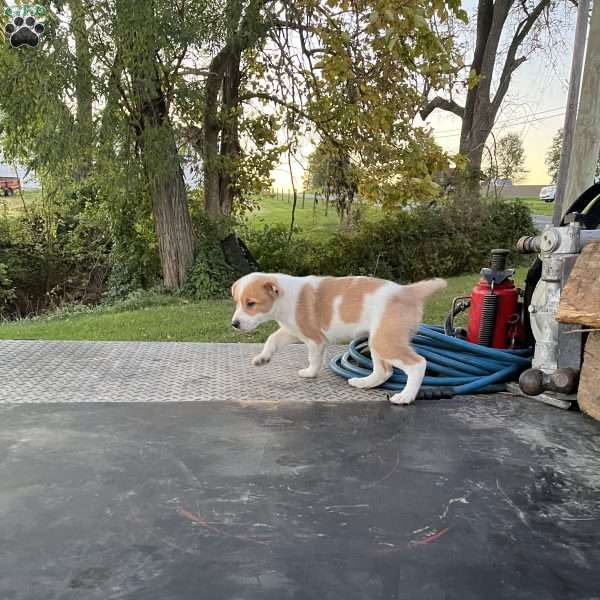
point(414, 366)
point(276, 341)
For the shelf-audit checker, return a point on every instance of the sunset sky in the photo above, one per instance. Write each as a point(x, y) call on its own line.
point(534, 107)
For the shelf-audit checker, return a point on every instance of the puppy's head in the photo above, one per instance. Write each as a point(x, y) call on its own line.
point(256, 296)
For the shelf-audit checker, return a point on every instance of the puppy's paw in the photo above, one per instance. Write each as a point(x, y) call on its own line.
point(358, 382)
point(260, 360)
point(402, 399)
point(307, 373)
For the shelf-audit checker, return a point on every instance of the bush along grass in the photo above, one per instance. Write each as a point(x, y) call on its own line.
point(405, 246)
point(155, 316)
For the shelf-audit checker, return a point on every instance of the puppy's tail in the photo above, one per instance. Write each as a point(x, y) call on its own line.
point(423, 289)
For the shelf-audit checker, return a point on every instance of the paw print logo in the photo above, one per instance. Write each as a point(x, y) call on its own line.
point(24, 31)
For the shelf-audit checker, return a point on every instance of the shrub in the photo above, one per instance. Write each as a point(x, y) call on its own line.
point(7, 291)
point(51, 260)
point(443, 241)
point(211, 275)
point(276, 253)
point(135, 300)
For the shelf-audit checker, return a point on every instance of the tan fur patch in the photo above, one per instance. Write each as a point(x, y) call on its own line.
point(307, 316)
point(314, 312)
point(352, 290)
point(259, 295)
point(400, 319)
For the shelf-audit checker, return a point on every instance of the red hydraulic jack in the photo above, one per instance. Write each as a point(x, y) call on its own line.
point(495, 313)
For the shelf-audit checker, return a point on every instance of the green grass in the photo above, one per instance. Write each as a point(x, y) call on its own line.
point(13, 205)
point(316, 225)
point(179, 320)
point(311, 219)
point(538, 207)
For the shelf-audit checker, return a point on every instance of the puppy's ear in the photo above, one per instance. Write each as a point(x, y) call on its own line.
point(234, 290)
point(272, 289)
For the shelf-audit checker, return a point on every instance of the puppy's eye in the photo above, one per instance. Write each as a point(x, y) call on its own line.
point(250, 303)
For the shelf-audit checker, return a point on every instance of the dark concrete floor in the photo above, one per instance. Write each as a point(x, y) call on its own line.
point(466, 498)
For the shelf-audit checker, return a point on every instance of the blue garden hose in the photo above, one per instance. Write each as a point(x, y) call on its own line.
point(454, 366)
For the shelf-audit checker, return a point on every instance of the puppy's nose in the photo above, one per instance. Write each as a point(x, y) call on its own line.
point(236, 323)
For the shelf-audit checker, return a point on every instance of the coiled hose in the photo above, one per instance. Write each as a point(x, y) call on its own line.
point(454, 366)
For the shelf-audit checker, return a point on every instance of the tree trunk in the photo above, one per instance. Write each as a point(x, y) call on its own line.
point(84, 93)
point(221, 146)
point(158, 150)
point(220, 143)
point(172, 219)
point(210, 143)
point(230, 143)
point(172, 222)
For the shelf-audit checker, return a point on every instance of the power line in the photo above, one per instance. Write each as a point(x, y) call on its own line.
point(516, 124)
point(534, 114)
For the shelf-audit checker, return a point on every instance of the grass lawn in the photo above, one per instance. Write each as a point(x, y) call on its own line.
point(316, 225)
point(538, 207)
point(185, 321)
point(311, 219)
point(14, 204)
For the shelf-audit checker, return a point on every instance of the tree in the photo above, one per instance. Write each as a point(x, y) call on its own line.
point(517, 22)
point(114, 100)
point(84, 92)
point(553, 157)
point(350, 71)
point(506, 160)
point(344, 70)
point(331, 170)
point(147, 105)
point(134, 58)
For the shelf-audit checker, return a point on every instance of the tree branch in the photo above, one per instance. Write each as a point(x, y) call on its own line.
point(275, 100)
point(512, 63)
point(444, 104)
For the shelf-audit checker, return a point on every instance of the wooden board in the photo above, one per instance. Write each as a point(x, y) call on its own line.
point(580, 298)
point(588, 395)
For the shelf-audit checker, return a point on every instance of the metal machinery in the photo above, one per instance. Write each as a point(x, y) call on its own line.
point(557, 355)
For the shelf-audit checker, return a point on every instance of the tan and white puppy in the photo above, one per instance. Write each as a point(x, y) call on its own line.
point(325, 310)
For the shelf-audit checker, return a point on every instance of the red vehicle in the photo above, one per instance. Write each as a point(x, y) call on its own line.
point(9, 185)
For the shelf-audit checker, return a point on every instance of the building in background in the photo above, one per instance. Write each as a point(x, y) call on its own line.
point(14, 178)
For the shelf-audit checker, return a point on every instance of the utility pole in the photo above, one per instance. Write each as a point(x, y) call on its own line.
point(572, 100)
point(586, 141)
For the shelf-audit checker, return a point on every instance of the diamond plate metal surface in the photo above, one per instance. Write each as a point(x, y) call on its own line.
point(36, 371)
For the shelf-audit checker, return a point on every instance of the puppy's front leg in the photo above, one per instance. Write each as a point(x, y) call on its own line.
point(276, 341)
point(316, 352)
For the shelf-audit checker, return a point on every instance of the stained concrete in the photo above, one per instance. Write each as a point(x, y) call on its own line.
point(465, 498)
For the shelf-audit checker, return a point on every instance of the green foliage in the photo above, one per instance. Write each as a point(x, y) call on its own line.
point(53, 257)
point(276, 253)
point(331, 170)
point(553, 155)
point(135, 300)
point(7, 290)
point(506, 159)
point(552, 160)
point(211, 276)
point(407, 245)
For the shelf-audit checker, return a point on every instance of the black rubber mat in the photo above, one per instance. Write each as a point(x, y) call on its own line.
point(469, 498)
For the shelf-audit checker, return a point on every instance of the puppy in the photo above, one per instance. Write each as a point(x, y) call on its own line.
point(324, 310)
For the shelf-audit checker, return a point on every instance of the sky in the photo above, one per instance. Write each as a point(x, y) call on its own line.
point(534, 107)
